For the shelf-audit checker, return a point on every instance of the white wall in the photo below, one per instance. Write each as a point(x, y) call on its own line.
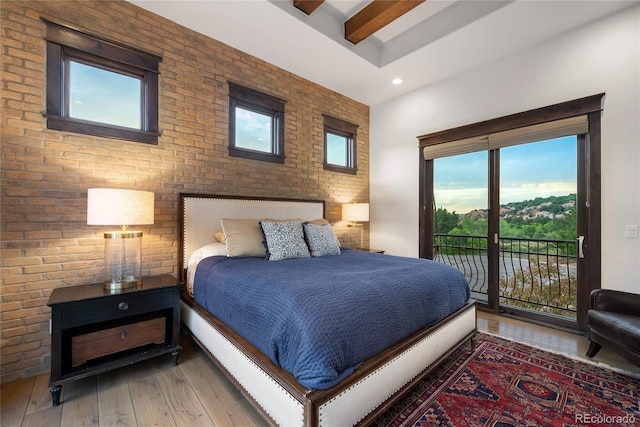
point(603, 56)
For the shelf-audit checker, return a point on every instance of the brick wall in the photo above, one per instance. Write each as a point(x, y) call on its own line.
point(45, 174)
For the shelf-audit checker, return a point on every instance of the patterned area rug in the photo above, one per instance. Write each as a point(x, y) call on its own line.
point(504, 383)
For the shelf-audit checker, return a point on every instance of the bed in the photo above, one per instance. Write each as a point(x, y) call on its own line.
point(353, 396)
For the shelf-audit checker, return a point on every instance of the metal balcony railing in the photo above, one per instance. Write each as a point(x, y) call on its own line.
point(535, 274)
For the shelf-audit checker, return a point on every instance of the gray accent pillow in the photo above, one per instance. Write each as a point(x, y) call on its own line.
point(284, 240)
point(321, 239)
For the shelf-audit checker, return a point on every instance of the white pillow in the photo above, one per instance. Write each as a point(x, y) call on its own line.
point(212, 249)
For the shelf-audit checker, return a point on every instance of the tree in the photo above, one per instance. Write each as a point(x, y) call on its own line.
point(444, 221)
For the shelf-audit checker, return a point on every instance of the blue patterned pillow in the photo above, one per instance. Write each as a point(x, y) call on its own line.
point(284, 240)
point(321, 239)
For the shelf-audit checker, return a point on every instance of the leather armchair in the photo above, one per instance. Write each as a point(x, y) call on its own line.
point(613, 321)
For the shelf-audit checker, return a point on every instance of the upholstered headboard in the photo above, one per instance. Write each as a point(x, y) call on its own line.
point(200, 216)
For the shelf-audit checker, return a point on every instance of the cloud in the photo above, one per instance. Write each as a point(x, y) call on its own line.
point(541, 169)
point(464, 200)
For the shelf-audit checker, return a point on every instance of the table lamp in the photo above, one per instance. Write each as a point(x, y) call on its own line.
point(354, 213)
point(122, 249)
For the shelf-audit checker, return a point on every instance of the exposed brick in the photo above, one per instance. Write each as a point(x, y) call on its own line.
point(46, 242)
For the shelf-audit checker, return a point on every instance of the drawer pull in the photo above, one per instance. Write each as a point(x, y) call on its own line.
point(123, 306)
point(123, 334)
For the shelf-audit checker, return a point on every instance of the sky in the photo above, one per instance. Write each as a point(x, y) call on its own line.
point(541, 169)
point(104, 96)
point(253, 130)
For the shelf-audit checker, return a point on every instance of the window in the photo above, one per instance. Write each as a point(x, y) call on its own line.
point(256, 125)
point(339, 145)
point(101, 88)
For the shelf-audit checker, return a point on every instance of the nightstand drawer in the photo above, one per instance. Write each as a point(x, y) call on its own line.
point(109, 341)
point(117, 306)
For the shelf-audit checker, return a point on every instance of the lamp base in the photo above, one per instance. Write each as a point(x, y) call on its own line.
point(122, 260)
point(360, 228)
point(127, 283)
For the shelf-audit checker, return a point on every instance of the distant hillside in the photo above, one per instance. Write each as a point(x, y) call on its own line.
point(553, 207)
point(541, 218)
point(549, 207)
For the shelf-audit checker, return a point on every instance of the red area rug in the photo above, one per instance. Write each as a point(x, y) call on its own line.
point(504, 384)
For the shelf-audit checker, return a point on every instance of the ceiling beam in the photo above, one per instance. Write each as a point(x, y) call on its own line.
point(374, 16)
point(307, 6)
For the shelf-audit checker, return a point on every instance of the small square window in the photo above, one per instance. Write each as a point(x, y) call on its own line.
point(339, 145)
point(256, 125)
point(102, 88)
point(337, 149)
point(104, 96)
point(254, 130)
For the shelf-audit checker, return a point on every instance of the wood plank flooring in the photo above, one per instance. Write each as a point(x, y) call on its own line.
point(196, 393)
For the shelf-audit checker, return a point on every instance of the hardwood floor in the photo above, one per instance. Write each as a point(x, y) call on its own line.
point(196, 393)
point(150, 393)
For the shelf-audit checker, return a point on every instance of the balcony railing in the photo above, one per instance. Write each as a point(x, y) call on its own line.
point(535, 274)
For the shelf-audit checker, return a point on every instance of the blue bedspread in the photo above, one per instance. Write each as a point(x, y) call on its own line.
point(319, 318)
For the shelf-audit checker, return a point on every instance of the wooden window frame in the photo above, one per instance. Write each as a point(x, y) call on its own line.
point(348, 130)
point(259, 102)
point(65, 44)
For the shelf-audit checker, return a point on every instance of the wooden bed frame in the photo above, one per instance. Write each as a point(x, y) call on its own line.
point(358, 399)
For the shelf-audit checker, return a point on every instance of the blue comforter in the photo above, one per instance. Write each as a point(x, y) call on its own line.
point(319, 318)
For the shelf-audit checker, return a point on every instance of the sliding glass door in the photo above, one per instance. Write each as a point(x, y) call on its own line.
point(533, 271)
point(461, 194)
point(538, 228)
point(514, 203)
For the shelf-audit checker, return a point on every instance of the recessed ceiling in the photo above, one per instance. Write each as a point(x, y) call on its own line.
point(435, 40)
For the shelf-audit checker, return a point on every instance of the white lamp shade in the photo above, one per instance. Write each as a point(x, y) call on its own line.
point(355, 212)
point(111, 206)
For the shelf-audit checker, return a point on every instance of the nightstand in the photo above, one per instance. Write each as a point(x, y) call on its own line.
point(94, 330)
point(375, 251)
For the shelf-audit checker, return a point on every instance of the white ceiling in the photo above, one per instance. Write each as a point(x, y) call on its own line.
point(436, 40)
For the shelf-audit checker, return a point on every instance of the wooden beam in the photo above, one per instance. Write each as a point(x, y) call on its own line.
point(374, 16)
point(307, 6)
